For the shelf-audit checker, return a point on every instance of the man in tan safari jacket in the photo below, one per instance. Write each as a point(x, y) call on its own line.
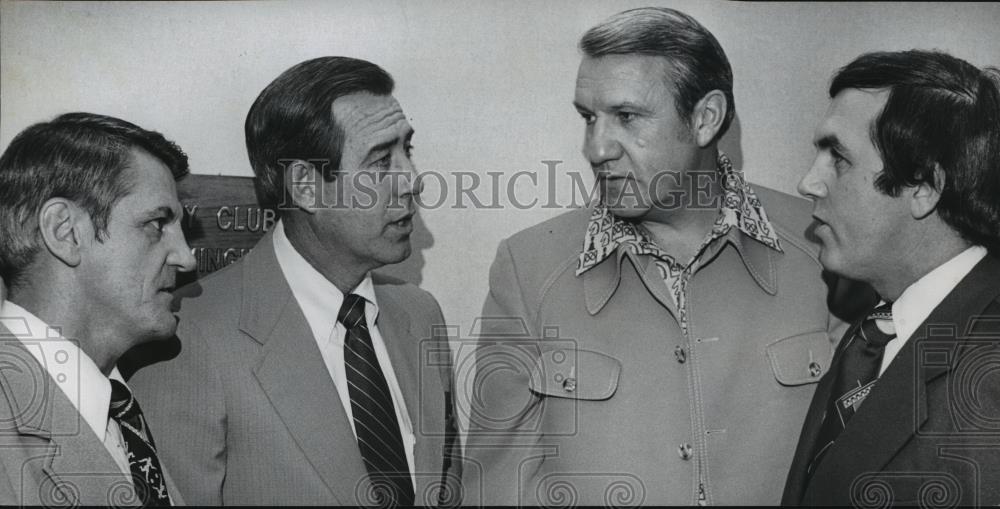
point(661, 346)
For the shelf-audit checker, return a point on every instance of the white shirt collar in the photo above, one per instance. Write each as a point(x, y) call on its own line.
point(75, 373)
point(319, 299)
point(917, 302)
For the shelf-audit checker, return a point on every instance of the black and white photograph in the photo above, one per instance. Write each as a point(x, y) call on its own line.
point(499, 253)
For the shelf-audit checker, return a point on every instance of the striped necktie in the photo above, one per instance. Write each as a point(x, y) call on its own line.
point(374, 415)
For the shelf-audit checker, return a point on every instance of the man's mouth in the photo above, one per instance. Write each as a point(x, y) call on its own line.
point(606, 175)
point(403, 222)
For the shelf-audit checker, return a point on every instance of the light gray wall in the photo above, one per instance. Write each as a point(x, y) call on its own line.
point(487, 85)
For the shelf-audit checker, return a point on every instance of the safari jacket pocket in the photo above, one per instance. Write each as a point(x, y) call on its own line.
point(576, 374)
point(800, 359)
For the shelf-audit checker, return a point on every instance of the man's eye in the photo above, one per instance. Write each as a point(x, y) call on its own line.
point(409, 150)
point(587, 118)
point(839, 162)
point(383, 162)
point(157, 225)
point(626, 116)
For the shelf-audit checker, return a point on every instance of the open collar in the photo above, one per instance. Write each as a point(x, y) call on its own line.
point(742, 222)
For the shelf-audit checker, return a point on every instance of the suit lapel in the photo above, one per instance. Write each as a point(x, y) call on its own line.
point(172, 489)
point(292, 374)
point(403, 348)
point(420, 383)
point(75, 464)
point(897, 407)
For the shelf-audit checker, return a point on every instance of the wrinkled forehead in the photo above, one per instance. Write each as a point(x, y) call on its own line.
point(365, 115)
point(147, 174)
point(614, 77)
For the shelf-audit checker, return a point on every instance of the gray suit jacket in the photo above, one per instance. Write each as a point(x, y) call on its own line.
point(48, 454)
point(249, 412)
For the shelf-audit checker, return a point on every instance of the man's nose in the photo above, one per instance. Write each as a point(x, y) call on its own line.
point(181, 257)
point(811, 185)
point(601, 144)
point(407, 182)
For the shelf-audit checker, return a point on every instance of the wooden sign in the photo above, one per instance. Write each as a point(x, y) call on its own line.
point(222, 219)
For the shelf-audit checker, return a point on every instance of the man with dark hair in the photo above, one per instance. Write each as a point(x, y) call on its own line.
point(662, 345)
point(90, 245)
point(303, 377)
point(905, 188)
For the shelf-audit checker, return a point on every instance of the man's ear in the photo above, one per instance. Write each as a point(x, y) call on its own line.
point(303, 182)
point(64, 228)
point(926, 195)
point(708, 116)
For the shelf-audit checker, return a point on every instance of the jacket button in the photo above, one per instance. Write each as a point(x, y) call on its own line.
point(814, 369)
point(569, 384)
point(680, 354)
point(685, 451)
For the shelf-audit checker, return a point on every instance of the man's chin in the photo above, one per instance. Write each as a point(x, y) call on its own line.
point(626, 212)
point(164, 329)
point(830, 261)
point(397, 255)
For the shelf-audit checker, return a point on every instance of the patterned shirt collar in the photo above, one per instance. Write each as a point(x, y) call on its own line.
point(740, 209)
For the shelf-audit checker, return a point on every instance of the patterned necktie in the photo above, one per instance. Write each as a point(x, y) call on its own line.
point(147, 476)
point(375, 421)
point(857, 372)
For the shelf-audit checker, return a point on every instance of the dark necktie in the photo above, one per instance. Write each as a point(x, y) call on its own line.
point(375, 421)
point(856, 373)
point(147, 476)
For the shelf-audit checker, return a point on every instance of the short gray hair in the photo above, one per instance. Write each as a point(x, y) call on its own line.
point(698, 64)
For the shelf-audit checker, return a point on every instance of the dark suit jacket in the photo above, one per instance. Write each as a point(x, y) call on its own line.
point(929, 432)
point(48, 454)
point(249, 413)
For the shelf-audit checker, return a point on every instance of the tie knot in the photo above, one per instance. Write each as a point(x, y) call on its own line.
point(123, 405)
point(352, 311)
point(870, 330)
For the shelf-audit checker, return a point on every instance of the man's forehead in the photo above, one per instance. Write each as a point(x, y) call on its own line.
point(851, 113)
point(151, 182)
point(365, 114)
point(614, 75)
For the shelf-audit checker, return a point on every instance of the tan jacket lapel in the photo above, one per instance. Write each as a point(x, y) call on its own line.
point(75, 465)
point(292, 374)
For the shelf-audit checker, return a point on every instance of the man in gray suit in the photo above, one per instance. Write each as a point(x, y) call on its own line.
point(301, 376)
point(90, 245)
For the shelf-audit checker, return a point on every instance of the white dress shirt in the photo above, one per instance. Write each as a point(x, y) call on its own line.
point(320, 301)
point(917, 302)
point(75, 374)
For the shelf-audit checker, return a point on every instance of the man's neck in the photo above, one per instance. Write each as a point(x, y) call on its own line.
point(60, 313)
point(681, 239)
point(681, 230)
point(925, 253)
point(345, 275)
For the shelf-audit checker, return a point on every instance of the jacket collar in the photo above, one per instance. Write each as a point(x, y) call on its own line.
point(601, 280)
point(742, 222)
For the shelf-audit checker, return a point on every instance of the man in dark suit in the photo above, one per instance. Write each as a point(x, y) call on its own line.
point(906, 191)
point(303, 378)
point(90, 245)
